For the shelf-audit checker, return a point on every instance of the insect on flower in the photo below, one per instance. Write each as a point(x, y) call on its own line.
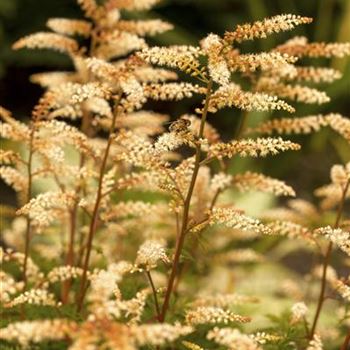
point(180, 125)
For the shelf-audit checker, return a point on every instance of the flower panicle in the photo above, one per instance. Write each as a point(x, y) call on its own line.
point(261, 29)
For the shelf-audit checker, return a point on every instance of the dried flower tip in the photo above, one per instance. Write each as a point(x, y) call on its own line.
point(268, 26)
point(232, 95)
point(260, 147)
point(44, 40)
point(149, 253)
point(339, 237)
point(205, 315)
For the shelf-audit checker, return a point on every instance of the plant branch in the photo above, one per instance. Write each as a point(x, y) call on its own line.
point(181, 238)
point(93, 222)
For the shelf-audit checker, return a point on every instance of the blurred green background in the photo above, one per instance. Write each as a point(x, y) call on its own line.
point(193, 19)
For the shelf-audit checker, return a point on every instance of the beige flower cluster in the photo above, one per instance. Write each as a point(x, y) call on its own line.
point(33, 296)
point(48, 41)
point(261, 147)
point(69, 26)
point(232, 95)
point(149, 253)
point(249, 180)
point(261, 29)
point(299, 47)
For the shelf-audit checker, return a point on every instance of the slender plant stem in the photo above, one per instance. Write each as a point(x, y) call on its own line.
point(70, 256)
point(154, 291)
point(346, 343)
point(181, 238)
point(29, 194)
point(93, 222)
point(184, 268)
point(326, 260)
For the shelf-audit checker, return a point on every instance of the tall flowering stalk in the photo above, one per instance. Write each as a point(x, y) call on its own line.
point(186, 208)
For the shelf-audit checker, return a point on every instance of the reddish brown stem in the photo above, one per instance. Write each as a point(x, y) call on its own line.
point(326, 261)
point(181, 238)
point(70, 256)
point(94, 219)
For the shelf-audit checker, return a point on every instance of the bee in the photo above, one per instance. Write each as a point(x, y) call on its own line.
point(180, 125)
